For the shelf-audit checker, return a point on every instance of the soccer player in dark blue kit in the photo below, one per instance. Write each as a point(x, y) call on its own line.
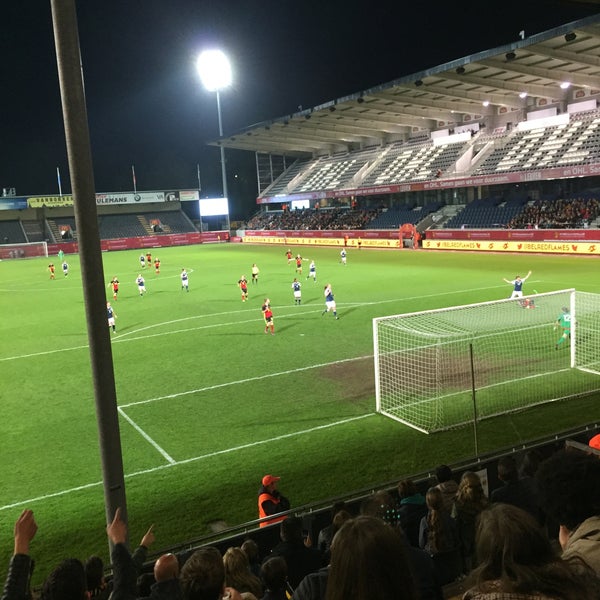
point(329, 301)
point(517, 284)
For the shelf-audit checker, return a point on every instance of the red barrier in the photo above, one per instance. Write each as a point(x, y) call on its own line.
point(164, 240)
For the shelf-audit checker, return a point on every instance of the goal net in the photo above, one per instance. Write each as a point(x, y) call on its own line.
point(25, 250)
point(439, 369)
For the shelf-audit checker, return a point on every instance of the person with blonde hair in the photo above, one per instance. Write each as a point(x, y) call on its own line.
point(470, 500)
point(238, 574)
point(439, 538)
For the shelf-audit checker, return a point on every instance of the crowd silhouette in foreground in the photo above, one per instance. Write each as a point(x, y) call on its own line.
point(537, 537)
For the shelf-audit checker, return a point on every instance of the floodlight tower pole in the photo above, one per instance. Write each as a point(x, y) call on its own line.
point(223, 164)
point(66, 40)
point(215, 72)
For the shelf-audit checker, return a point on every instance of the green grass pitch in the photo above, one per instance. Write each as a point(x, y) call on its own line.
point(209, 403)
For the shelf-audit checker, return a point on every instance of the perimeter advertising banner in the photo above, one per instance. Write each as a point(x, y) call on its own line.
point(129, 198)
point(112, 198)
point(580, 248)
point(49, 201)
point(13, 203)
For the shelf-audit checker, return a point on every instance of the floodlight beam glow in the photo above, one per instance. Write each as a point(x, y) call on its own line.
point(214, 70)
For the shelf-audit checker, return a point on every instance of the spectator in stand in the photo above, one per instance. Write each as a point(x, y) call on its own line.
point(166, 575)
point(271, 501)
point(438, 537)
point(447, 485)
point(383, 506)
point(313, 586)
point(66, 582)
point(273, 574)
point(143, 585)
point(517, 491)
point(517, 561)
point(16, 584)
point(469, 502)
point(96, 584)
point(202, 577)
point(530, 463)
point(369, 562)
point(250, 549)
point(340, 516)
point(569, 486)
point(412, 509)
point(300, 558)
point(238, 574)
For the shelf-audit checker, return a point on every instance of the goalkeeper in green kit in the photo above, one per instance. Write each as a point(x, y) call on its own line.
point(564, 322)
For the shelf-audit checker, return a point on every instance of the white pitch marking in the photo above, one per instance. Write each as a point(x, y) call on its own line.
point(182, 462)
point(119, 338)
point(240, 381)
point(161, 451)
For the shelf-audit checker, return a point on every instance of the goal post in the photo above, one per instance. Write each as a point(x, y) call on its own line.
point(439, 369)
point(24, 250)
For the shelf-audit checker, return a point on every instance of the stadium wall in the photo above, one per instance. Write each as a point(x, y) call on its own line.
point(163, 240)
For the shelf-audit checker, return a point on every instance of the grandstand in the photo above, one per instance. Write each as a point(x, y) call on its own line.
point(487, 131)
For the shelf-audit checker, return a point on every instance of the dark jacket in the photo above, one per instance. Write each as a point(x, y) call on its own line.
point(300, 560)
point(313, 586)
point(426, 577)
point(166, 590)
point(16, 586)
point(412, 510)
point(521, 493)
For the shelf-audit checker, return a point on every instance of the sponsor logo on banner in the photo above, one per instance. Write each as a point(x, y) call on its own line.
point(187, 195)
point(41, 201)
point(325, 241)
point(111, 199)
point(147, 197)
point(13, 203)
point(579, 248)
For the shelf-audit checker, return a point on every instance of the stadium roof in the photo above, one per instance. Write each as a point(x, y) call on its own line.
point(526, 73)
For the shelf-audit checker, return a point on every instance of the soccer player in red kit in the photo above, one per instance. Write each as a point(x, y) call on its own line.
point(268, 316)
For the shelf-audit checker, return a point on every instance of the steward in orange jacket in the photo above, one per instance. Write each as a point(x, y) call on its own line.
point(270, 501)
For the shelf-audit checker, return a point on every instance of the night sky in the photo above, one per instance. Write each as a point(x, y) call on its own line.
point(146, 105)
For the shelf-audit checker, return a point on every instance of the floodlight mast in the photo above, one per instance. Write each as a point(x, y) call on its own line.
point(215, 73)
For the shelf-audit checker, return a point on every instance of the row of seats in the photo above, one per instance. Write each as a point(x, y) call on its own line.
point(11, 232)
point(571, 144)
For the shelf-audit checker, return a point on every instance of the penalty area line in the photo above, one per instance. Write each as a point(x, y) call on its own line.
point(158, 448)
point(247, 380)
point(185, 461)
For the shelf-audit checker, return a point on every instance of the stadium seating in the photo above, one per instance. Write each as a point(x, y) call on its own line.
point(139, 225)
point(417, 159)
point(11, 232)
point(486, 213)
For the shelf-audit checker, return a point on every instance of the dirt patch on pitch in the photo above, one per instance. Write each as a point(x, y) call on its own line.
point(355, 379)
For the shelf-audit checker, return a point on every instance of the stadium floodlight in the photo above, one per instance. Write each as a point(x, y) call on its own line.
point(443, 368)
point(214, 69)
